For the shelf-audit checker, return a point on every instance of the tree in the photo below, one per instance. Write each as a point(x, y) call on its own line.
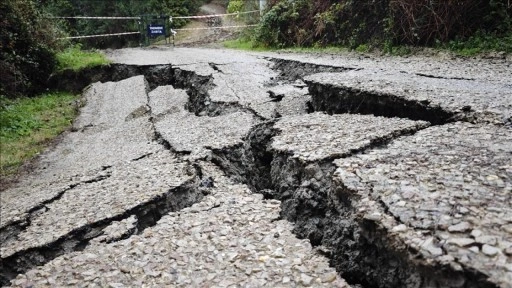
point(27, 48)
point(121, 8)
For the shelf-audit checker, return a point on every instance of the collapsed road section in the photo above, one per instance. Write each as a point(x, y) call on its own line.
point(202, 167)
point(118, 177)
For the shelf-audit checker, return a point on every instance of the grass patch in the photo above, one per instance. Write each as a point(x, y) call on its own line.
point(248, 45)
point(75, 58)
point(328, 49)
point(480, 43)
point(243, 44)
point(29, 124)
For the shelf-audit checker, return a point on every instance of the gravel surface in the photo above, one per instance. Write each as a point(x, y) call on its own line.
point(317, 136)
point(143, 190)
point(231, 238)
point(123, 189)
point(445, 192)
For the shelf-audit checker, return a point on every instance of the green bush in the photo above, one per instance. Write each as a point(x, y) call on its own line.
point(382, 23)
point(27, 51)
point(235, 6)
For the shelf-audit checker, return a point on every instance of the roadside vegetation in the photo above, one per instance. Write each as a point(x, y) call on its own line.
point(75, 58)
point(465, 27)
point(114, 8)
point(30, 116)
point(30, 124)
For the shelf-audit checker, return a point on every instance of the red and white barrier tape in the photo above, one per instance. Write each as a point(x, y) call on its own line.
point(101, 35)
point(215, 15)
point(138, 18)
point(90, 17)
point(220, 27)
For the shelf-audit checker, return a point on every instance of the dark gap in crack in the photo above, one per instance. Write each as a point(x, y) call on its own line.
point(309, 107)
point(11, 231)
point(197, 87)
point(442, 77)
point(167, 146)
point(142, 157)
point(215, 67)
point(291, 70)
point(339, 100)
point(275, 97)
point(324, 212)
point(97, 179)
point(76, 81)
point(148, 214)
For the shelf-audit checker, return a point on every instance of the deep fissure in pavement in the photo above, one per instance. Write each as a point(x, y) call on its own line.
point(11, 231)
point(323, 211)
point(290, 70)
point(336, 100)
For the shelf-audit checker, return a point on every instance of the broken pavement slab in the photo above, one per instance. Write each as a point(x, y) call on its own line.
point(398, 93)
point(147, 188)
point(167, 100)
point(116, 113)
point(188, 133)
point(111, 103)
point(318, 136)
point(291, 99)
point(102, 131)
point(444, 192)
point(232, 237)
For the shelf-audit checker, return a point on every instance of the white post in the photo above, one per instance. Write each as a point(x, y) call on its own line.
point(263, 3)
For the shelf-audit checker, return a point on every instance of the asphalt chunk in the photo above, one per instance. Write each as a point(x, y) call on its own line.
point(400, 94)
point(318, 136)
point(186, 132)
point(148, 188)
point(444, 192)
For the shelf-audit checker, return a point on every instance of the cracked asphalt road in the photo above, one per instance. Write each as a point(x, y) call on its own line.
point(219, 168)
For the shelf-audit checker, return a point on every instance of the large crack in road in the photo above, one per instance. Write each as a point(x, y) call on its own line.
point(399, 179)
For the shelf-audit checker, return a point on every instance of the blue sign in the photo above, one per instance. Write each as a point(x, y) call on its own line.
point(156, 30)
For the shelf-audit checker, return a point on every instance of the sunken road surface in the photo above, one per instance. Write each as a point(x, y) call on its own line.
point(192, 167)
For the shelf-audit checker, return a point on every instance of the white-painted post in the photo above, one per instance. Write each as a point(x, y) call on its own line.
point(263, 4)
